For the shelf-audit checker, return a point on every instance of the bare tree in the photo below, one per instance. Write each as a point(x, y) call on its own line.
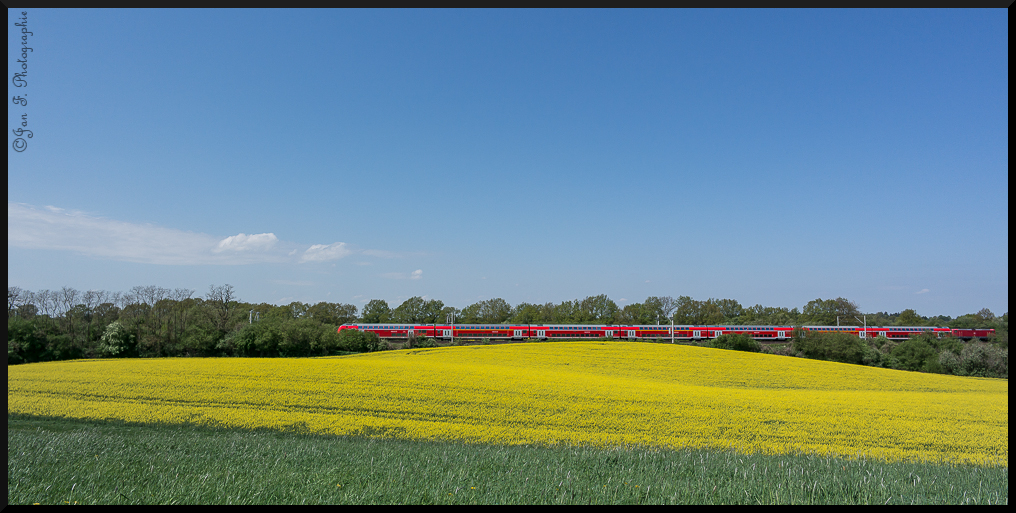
point(181, 294)
point(986, 314)
point(149, 295)
point(93, 298)
point(16, 296)
point(67, 298)
point(222, 301)
point(41, 301)
point(221, 295)
point(118, 299)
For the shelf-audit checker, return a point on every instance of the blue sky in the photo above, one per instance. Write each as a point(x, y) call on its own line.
point(771, 157)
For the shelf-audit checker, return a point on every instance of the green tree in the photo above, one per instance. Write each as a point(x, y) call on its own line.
point(411, 311)
point(565, 312)
point(909, 317)
point(469, 315)
point(117, 340)
point(598, 310)
point(333, 313)
point(665, 306)
point(432, 312)
point(548, 313)
point(298, 310)
point(687, 310)
point(636, 313)
point(490, 311)
point(376, 311)
point(730, 309)
point(447, 313)
point(495, 311)
point(526, 313)
point(767, 316)
point(821, 312)
point(27, 340)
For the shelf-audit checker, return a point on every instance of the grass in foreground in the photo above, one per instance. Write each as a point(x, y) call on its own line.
point(65, 461)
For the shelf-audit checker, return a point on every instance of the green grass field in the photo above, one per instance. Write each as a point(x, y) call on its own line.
point(54, 461)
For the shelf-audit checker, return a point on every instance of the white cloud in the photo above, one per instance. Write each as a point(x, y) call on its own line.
point(922, 291)
point(416, 275)
point(244, 242)
point(325, 252)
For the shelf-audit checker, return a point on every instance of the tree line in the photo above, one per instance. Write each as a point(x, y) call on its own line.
point(661, 310)
point(152, 321)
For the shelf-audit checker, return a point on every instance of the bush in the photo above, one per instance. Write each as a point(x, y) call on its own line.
point(879, 342)
point(361, 341)
point(916, 354)
point(26, 342)
point(779, 349)
point(977, 359)
point(424, 342)
point(871, 356)
point(833, 346)
point(327, 341)
point(737, 342)
point(258, 339)
point(299, 337)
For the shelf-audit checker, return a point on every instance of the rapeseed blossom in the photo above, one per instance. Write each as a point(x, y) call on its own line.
point(581, 393)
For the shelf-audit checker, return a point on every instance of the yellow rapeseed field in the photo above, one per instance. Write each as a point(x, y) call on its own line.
point(593, 393)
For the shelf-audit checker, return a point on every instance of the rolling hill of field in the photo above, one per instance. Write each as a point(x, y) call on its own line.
point(601, 394)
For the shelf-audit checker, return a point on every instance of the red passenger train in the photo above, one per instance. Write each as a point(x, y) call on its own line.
point(642, 332)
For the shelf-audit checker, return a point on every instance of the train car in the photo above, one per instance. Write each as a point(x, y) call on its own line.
point(385, 330)
point(763, 333)
point(899, 332)
point(968, 334)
